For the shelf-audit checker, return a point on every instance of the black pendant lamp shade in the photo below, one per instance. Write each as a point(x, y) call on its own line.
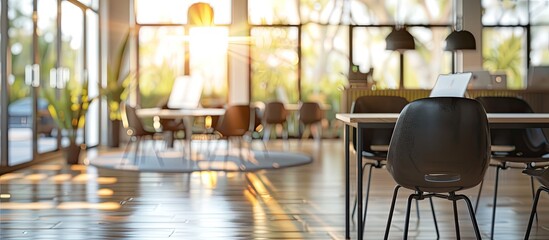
point(400, 39)
point(460, 40)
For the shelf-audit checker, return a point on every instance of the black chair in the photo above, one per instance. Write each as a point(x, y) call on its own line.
point(135, 129)
point(439, 145)
point(524, 147)
point(375, 141)
point(542, 175)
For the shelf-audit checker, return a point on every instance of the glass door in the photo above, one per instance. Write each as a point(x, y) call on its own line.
point(21, 79)
point(92, 71)
point(72, 59)
point(47, 56)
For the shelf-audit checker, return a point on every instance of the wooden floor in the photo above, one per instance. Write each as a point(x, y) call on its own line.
point(53, 201)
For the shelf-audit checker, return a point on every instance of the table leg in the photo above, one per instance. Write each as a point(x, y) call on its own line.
point(360, 227)
point(347, 182)
point(188, 122)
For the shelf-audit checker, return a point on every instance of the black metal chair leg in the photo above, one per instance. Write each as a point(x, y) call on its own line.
point(392, 209)
point(471, 214)
point(494, 203)
point(126, 149)
point(417, 209)
point(534, 207)
point(434, 216)
point(456, 219)
point(478, 196)
point(533, 193)
point(137, 145)
point(407, 220)
point(367, 196)
point(356, 196)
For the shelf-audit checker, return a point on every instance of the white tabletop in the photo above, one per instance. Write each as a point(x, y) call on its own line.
point(353, 118)
point(179, 113)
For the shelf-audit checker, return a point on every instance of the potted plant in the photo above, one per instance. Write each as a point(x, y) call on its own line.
point(68, 108)
point(116, 90)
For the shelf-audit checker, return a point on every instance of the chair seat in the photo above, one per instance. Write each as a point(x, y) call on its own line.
point(502, 148)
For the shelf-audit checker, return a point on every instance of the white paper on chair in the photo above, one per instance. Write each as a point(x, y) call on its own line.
point(451, 85)
point(186, 92)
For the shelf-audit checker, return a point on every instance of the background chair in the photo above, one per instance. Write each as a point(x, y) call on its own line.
point(274, 114)
point(375, 141)
point(311, 114)
point(524, 147)
point(234, 124)
point(135, 129)
point(542, 175)
point(439, 145)
point(172, 127)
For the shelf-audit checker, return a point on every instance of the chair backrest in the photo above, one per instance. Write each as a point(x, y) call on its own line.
point(377, 104)
point(235, 121)
point(131, 122)
point(310, 112)
point(171, 124)
point(529, 142)
point(275, 113)
point(440, 145)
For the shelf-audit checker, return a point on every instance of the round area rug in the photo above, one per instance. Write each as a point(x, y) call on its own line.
point(176, 162)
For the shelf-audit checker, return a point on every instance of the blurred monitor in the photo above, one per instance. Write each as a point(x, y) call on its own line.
point(480, 80)
point(484, 80)
point(451, 85)
point(499, 81)
point(186, 93)
point(538, 77)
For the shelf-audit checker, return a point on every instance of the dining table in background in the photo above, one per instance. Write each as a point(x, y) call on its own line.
point(187, 115)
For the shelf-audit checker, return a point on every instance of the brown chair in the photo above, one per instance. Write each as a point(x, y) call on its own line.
point(311, 114)
point(234, 124)
point(135, 129)
point(274, 114)
point(171, 127)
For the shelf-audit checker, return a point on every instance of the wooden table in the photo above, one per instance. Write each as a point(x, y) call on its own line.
point(187, 115)
point(361, 121)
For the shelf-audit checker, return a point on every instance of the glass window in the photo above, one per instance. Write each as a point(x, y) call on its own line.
point(539, 12)
point(175, 11)
point(539, 54)
point(268, 12)
point(72, 47)
point(208, 63)
point(20, 112)
point(423, 65)
point(274, 65)
point(161, 60)
point(90, 3)
point(92, 54)
point(47, 29)
point(326, 12)
point(324, 61)
point(369, 53)
point(409, 12)
point(503, 50)
point(498, 12)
